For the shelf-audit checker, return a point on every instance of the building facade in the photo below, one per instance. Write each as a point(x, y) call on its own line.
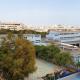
point(69, 37)
point(34, 38)
point(12, 26)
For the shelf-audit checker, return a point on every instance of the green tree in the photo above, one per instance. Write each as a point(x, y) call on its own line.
point(63, 58)
point(47, 52)
point(53, 54)
point(17, 58)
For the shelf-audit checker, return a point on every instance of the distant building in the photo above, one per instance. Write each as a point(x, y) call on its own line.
point(69, 37)
point(76, 58)
point(34, 38)
point(12, 26)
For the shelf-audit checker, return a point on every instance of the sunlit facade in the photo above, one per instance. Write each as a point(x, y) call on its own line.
point(12, 26)
point(69, 37)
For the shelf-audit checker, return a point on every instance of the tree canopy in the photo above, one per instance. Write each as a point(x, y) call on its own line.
point(17, 58)
point(53, 54)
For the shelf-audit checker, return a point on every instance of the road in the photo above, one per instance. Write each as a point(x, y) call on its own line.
point(43, 68)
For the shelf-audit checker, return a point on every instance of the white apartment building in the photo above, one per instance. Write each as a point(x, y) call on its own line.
point(12, 26)
point(34, 38)
point(69, 37)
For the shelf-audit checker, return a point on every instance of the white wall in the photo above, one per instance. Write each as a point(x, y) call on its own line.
point(35, 38)
point(65, 37)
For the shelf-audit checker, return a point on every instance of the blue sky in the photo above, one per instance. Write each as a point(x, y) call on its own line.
point(41, 11)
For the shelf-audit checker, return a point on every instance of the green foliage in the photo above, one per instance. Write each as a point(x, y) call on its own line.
point(47, 52)
point(17, 58)
point(5, 31)
point(63, 58)
point(53, 54)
